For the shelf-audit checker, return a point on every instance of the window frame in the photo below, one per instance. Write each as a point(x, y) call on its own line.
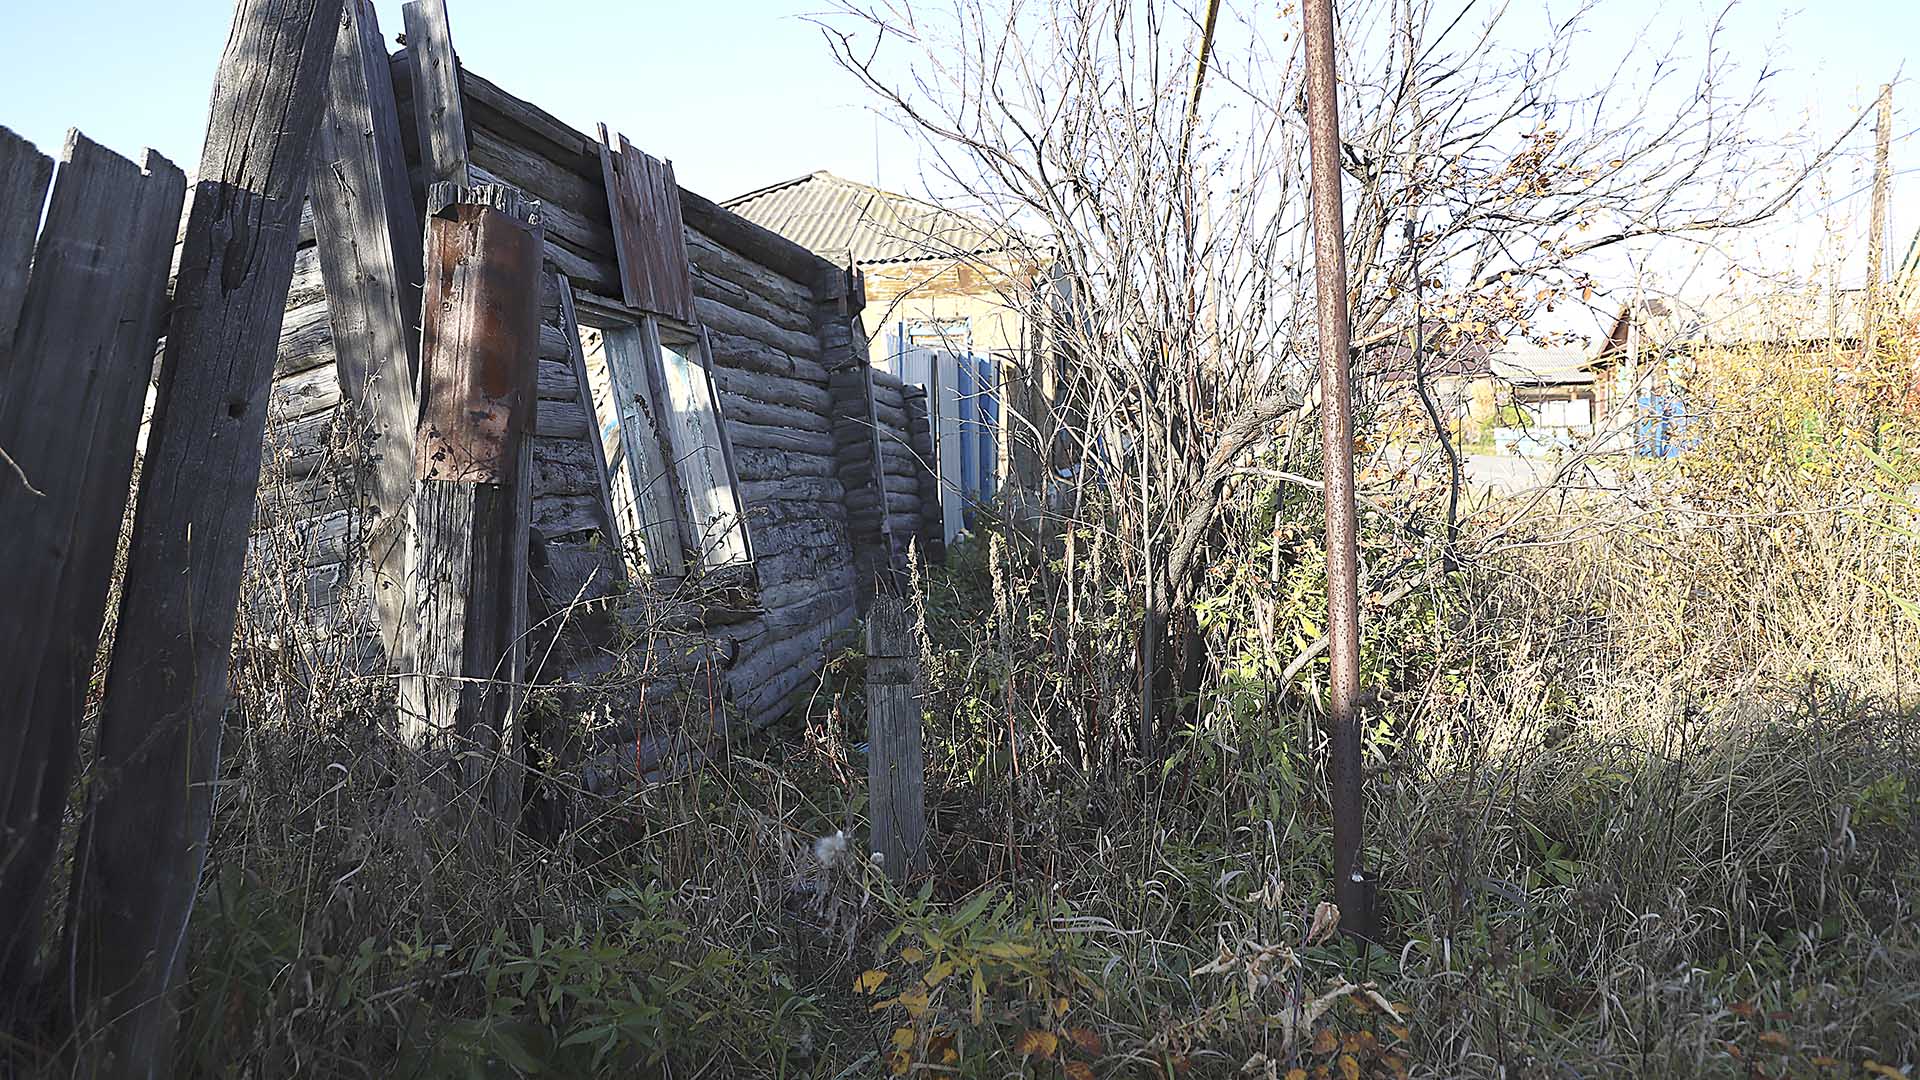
point(666, 412)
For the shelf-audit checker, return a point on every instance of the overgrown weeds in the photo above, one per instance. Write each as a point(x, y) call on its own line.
point(1642, 802)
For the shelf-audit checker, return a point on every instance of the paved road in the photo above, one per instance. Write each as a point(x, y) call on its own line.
point(1502, 474)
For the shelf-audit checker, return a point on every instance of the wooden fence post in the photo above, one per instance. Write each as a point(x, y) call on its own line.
point(75, 380)
point(896, 768)
point(143, 841)
point(478, 352)
point(368, 234)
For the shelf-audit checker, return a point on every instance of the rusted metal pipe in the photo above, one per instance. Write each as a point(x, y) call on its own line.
point(1351, 889)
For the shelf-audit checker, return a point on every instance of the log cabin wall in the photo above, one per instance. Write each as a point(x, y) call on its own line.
point(779, 320)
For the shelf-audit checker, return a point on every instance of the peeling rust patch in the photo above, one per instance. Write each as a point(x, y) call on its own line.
point(480, 337)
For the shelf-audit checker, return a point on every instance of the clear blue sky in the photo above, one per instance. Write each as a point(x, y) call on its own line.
point(741, 93)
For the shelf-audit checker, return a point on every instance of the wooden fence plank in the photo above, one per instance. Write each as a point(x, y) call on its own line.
point(69, 413)
point(24, 172)
point(479, 355)
point(368, 236)
point(144, 838)
point(896, 768)
point(438, 107)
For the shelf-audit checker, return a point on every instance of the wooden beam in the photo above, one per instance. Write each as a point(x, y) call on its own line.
point(71, 393)
point(158, 752)
point(479, 356)
point(438, 107)
point(896, 767)
point(368, 235)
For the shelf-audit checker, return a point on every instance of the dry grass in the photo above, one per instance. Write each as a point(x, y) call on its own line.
point(1643, 803)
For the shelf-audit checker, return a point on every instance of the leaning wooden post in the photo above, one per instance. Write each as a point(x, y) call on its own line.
point(896, 769)
point(158, 755)
point(479, 344)
point(368, 234)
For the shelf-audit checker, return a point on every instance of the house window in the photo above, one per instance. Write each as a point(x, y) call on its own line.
point(675, 499)
point(940, 335)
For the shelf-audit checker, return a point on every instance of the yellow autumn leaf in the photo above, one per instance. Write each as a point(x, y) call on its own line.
point(1077, 1070)
point(1060, 1006)
point(1035, 1042)
point(902, 1038)
point(913, 954)
point(1085, 1039)
point(898, 1062)
point(914, 1001)
point(1296, 1073)
point(869, 981)
point(1349, 1067)
point(1887, 1071)
point(1325, 1042)
point(937, 972)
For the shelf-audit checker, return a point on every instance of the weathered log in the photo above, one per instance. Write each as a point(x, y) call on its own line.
point(722, 318)
point(563, 420)
point(306, 339)
point(901, 503)
point(802, 489)
point(730, 266)
point(745, 412)
point(570, 227)
point(308, 286)
point(316, 389)
point(749, 354)
point(749, 437)
point(773, 463)
point(761, 245)
point(564, 514)
point(773, 389)
point(138, 863)
point(722, 291)
point(564, 467)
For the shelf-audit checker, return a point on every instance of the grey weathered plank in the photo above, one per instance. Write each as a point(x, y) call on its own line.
point(471, 508)
point(570, 327)
point(144, 839)
point(656, 499)
point(368, 236)
point(896, 769)
point(24, 172)
point(438, 109)
point(643, 203)
point(69, 415)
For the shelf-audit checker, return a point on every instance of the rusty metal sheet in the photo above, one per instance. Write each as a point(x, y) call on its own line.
point(480, 338)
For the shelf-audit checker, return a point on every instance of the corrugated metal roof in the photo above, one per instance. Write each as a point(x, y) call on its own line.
point(842, 220)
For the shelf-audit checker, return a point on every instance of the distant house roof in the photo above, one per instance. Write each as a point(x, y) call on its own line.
point(1443, 354)
point(1525, 363)
point(844, 220)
